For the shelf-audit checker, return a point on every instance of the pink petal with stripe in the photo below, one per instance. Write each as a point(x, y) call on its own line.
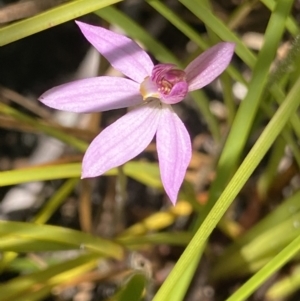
point(93, 95)
point(174, 151)
point(122, 140)
point(123, 53)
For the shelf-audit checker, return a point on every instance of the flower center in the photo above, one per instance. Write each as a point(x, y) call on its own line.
point(161, 82)
point(166, 76)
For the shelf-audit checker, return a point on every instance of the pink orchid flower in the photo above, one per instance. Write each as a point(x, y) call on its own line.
point(150, 90)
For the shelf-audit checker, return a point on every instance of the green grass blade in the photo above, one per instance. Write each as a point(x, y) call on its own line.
point(50, 18)
point(242, 124)
point(291, 23)
point(16, 236)
point(220, 29)
point(144, 172)
point(179, 291)
point(285, 287)
point(286, 210)
point(261, 246)
point(266, 179)
point(270, 268)
point(55, 201)
point(41, 173)
point(34, 285)
point(179, 23)
point(176, 238)
point(133, 289)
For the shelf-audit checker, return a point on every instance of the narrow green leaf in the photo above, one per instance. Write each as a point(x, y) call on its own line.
point(291, 23)
point(270, 268)
point(261, 246)
point(143, 172)
point(243, 121)
point(50, 18)
point(220, 29)
point(283, 212)
point(31, 287)
point(176, 238)
point(133, 289)
point(172, 17)
point(40, 173)
point(55, 201)
point(180, 289)
point(17, 236)
point(285, 287)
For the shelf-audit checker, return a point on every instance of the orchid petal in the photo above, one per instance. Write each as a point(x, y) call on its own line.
point(176, 95)
point(122, 140)
point(93, 95)
point(209, 65)
point(123, 53)
point(174, 150)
